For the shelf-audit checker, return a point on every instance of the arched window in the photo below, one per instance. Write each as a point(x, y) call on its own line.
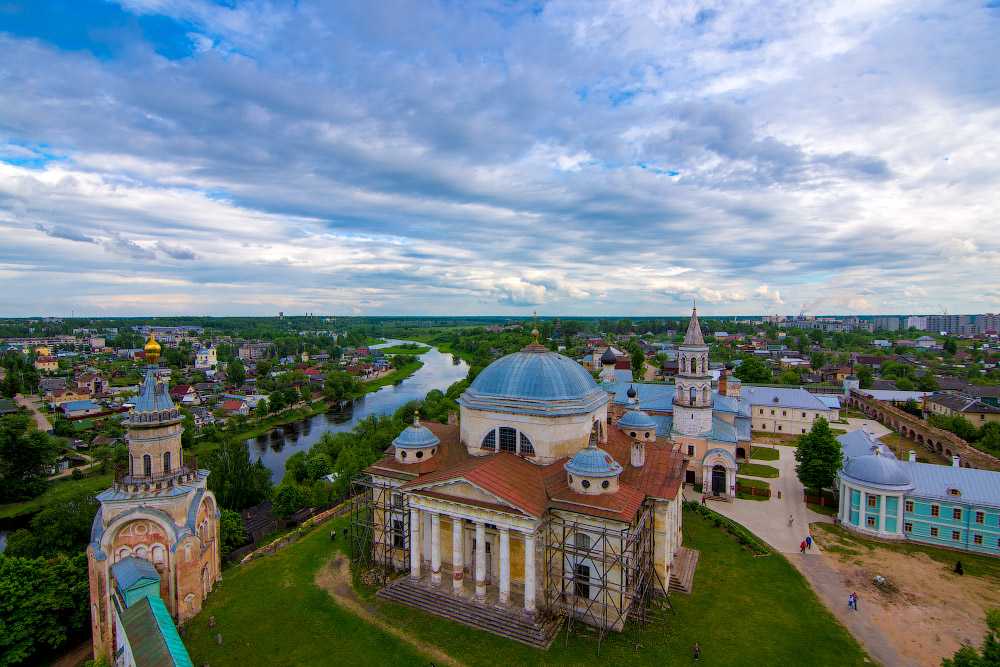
point(166, 462)
point(693, 396)
point(490, 441)
point(508, 439)
point(706, 397)
point(147, 465)
point(694, 365)
point(526, 447)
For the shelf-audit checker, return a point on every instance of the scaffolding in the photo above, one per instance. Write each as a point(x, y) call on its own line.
point(602, 577)
point(379, 528)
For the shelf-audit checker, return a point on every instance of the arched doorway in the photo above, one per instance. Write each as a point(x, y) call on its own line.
point(718, 480)
point(741, 454)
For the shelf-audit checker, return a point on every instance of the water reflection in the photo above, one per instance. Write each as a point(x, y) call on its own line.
point(438, 372)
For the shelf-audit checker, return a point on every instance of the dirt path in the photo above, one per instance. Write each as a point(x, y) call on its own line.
point(335, 579)
point(31, 403)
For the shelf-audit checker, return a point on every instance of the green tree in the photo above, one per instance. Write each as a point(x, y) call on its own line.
point(789, 376)
point(865, 376)
point(42, 604)
point(318, 465)
point(950, 345)
point(236, 372)
point(26, 455)
point(753, 370)
point(263, 408)
point(819, 456)
point(988, 655)
point(289, 499)
point(988, 437)
point(638, 362)
point(236, 482)
point(62, 527)
point(295, 466)
point(232, 531)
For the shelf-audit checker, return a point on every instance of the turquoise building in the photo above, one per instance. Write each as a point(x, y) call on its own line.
point(145, 634)
point(945, 506)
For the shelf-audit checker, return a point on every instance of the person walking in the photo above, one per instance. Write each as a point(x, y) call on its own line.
point(809, 542)
point(802, 547)
point(696, 651)
point(850, 601)
point(855, 595)
point(791, 519)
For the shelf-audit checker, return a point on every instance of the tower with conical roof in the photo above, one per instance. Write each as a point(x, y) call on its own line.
point(159, 510)
point(693, 396)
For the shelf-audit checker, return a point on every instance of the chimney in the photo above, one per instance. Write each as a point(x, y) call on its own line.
point(955, 462)
point(912, 458)
point(723, 382)
point(452, 418)
point(638, 453)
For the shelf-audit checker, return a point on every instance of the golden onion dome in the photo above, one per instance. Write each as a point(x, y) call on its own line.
point(152, 349)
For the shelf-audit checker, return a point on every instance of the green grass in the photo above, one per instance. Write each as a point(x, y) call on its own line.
point(402, 349)
point(401, 373)
point(57, 491)
point(755, 483)
point(974, 564)
point(764, 453)
point(758, 470)
point(270, 612)
point(829, 510)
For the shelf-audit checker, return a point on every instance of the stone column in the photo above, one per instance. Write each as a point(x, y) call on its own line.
point(480, 561)
point(436, 549)
point(456, 558)
point(504, 566)
point(414, 543)
point(529, 573)
point(900, 524)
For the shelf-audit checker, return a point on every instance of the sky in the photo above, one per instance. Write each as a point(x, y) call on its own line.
point(221, 157)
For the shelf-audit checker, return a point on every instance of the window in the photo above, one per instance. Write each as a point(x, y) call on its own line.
point(631, 434)
point(690, 450)
point(772, 413)
point(977, 539)
point(762, 411)
point(908, 527)
point(398, 538)
point(779, 427)
point(585, 483)
point(872, 501)
point(508, 439)
point(420, 455)
point(166, 462)
point(908, 506)
point(935, 510)
point(581, 580)
point(605, 484)
point(954, 492)
point(694, 366)
point(402, 454)
point(870, 521)
point(490, 441)
point(980, 517)
point(803, 415)
point(784, 413)
point(803, 430)
point(527, 449)
point(147, 465)
point(692, 396)
point(934, 531)
point(956, 513)
point(956, 535)
point(581, 541)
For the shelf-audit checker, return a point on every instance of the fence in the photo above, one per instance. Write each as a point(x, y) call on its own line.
point(753, 490)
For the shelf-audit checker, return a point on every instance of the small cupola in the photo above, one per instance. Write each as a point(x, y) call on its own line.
point(609, 358)
point(639, 426)
point(416, 443)
point(632, 396)
point(592, 471)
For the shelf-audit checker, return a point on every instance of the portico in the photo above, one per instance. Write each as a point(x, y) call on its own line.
point(719, 473)
point(495, 549)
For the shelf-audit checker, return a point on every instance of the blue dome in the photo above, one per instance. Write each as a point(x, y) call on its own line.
point(535, 381)
point(636, 419)
point(415, 437)
point(593, 462)
point(878, 470)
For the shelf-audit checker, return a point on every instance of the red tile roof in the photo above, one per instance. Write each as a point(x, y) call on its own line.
point(533, 489)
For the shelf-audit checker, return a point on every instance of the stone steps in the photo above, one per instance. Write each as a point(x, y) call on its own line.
point(505, 623)
point(682, 573)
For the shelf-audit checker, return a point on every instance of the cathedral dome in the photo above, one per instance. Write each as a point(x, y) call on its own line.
point(535, 381)
point(152, 349)
point(593, 462)
point(877, 469)
point(415, 436)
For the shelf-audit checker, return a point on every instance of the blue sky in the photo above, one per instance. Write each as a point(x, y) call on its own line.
point(246, 157)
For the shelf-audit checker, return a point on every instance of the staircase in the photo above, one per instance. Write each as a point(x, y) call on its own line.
point(503, 622)
point(682, 573)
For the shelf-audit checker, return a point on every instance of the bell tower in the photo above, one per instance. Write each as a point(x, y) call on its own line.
point(693, 395)
point(159, 510)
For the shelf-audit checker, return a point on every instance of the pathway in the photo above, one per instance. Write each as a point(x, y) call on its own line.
point(31, 403)
point(877, 429)
point(335, 579)
point(769, 521)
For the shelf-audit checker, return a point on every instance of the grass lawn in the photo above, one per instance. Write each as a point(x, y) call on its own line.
point(754, 483)
point(57, 491)
point(270, 612)
point(902, 445)
point(403, 349)
point(764, 453)
point(829, 510)
point(401, 373)
point(758, 470)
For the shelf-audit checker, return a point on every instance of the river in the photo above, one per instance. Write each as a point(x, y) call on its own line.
point(438, 372)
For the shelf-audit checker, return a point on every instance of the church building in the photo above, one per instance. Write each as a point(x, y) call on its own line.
point(154, 551)
point(537, 505)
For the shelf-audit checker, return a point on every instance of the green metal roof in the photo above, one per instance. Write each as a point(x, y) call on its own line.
point(153, 636)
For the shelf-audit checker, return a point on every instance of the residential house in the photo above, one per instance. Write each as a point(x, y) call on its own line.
point(185, 394)
point(46, 364)
point(61, 396)
point(234, 406)
point(927, 343)
point(973, 409)
point(77, 409)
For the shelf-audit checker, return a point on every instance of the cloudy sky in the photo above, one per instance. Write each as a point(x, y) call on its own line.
point(481, 157)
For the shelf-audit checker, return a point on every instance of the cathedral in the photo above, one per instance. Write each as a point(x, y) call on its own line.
point(546, 500)
point(154, 551)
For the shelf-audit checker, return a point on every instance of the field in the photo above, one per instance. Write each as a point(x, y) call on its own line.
point(744, 610)
point(764, 453)
point(758, 470)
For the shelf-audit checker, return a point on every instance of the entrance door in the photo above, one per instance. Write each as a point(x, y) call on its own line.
point(741, 454)
point(689, 477)
point(718, 481)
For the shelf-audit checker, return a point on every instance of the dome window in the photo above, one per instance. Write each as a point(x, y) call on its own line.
point(605, 484)
point(585, 483)
point(402, 455)
point(420, 455)
point(490, 441)
point(631, 434)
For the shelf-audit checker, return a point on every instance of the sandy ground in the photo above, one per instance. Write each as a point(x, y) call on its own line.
point(335, 579)
point(930, 613)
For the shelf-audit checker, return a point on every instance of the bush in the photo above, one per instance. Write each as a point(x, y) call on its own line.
point(232, 531)
point(289, 499)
